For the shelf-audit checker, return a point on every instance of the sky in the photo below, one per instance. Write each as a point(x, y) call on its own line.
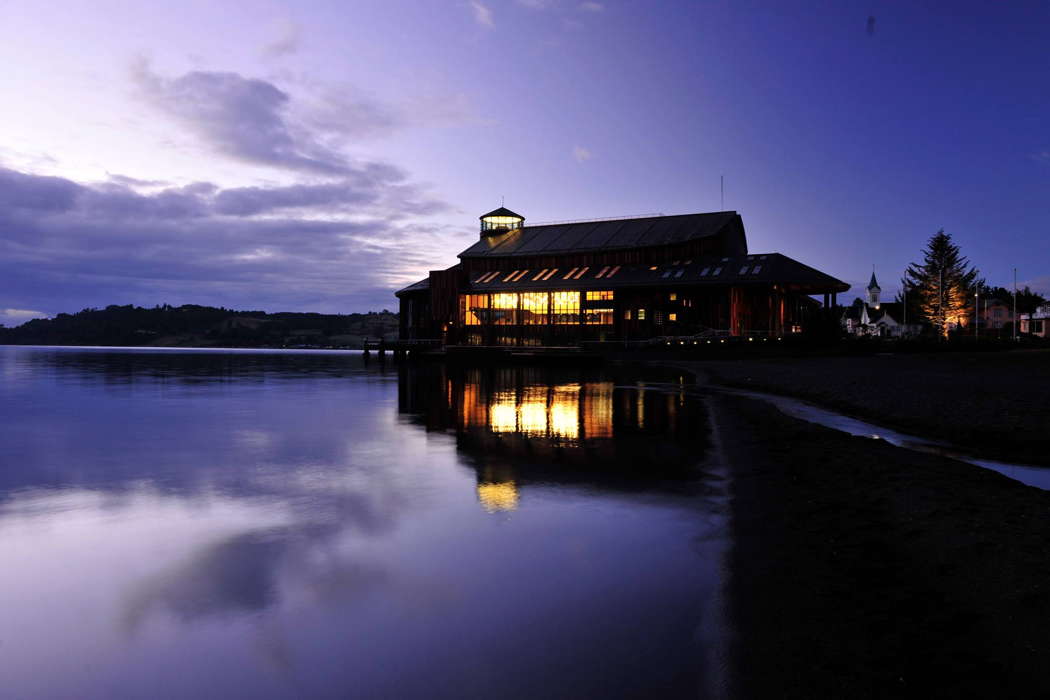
point(317, 156)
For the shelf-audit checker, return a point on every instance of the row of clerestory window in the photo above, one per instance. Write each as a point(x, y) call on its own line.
point(545, 274)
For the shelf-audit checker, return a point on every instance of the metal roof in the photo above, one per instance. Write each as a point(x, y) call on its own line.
point(601, 235)
point(420, 286)
point(761, 268)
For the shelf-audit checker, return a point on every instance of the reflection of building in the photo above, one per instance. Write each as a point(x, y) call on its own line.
point(498, 496)
point(563, 412)
point(560, 284)
point(524, 424)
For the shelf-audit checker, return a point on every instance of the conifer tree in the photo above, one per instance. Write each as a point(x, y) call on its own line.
point(942, 285)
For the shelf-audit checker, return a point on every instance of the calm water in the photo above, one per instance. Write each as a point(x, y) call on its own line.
point(274, 525)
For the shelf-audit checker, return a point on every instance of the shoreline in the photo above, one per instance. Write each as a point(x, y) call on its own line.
point(859, 569)
point(991, 407)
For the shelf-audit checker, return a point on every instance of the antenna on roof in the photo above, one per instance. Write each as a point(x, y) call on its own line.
point(722, 183)
point(501, 200)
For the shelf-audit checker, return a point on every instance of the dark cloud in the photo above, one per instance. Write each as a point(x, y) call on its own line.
point(245, 118)
point(134, 181)
point(335, 246)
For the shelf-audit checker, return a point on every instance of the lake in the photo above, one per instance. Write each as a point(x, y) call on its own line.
point(278, 524)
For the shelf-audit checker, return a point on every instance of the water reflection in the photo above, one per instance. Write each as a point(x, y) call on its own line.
point(271, 525)
point(547, 424)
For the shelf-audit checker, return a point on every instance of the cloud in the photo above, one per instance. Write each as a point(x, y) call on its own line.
point(592, 6)
point(1037, 284)
point(482, 13)
point(581, 154)
point(536, 4)
point(286, 42)
point(127, 181)
point(244, 118)
point(16, 317)
point(339, 245)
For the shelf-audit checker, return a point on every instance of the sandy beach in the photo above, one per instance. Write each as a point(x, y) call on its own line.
point(863, 570)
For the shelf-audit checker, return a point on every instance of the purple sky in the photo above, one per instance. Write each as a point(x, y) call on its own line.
point(316, 156)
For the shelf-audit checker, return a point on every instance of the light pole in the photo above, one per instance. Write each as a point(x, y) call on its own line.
point(976, 315)
point(1015, 305)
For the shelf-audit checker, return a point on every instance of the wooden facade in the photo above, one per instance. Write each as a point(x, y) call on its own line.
point(631, 279)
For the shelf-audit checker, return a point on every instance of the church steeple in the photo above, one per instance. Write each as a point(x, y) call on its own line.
point(873, 290)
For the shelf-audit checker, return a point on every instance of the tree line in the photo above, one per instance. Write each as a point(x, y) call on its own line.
point(193, 325)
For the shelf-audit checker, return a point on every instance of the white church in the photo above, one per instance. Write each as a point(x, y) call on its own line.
point(877, 319)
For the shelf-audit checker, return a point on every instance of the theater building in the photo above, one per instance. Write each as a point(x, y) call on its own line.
point(626, 279)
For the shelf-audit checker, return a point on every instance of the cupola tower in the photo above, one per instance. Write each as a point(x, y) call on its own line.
point(499, 221)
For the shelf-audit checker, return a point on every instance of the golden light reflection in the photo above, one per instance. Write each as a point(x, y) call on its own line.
point(496, 497)
point(565, 411)
point(503, 414)
point(532, 418)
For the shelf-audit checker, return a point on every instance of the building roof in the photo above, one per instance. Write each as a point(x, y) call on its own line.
point(758, 269)
point(873, 284)
point(502, 211)
point(602, 235)
point(422, 285)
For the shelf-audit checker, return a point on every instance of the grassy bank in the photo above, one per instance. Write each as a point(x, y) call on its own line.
point(995, 404)
point(862, 570)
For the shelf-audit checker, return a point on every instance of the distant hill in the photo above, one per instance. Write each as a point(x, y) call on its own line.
point(202, 326)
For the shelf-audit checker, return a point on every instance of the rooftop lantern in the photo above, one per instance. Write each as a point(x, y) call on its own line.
point(500, 221)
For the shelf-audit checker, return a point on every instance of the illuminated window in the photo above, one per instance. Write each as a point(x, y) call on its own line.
point(613, 272)
point(641, 314)
point(534, 308)
point(473, 309)
point(703, 273)
point(598, 317)
point(565, 308)
point(654, 267)
point(627, 315)
point(483, 276)
point(605, 295)
point(672, 316)
point(673, 296)
point(717, 271)
point(570, 273)
point(743, 270)
point(505, 309)
point(507, 278)
point(602, 272)
point(549, 274)
point(539, 274)
point(667, 273)
point(519, 276)
point(580, 273)
point(679, 273)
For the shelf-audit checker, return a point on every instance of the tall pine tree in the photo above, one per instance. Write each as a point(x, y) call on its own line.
point(942, 286)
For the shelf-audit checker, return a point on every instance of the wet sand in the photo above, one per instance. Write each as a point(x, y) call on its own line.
point(862, 570)
point(995, 404)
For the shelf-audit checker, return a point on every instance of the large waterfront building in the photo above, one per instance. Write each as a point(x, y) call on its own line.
point(623, 279)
